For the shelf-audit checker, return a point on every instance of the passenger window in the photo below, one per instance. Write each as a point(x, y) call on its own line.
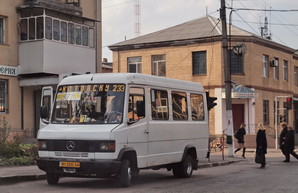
point(136, 106)
point(159, 105)
point(179, 105)
point(197, 107)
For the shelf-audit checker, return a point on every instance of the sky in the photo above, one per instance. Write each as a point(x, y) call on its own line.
point(118, 18)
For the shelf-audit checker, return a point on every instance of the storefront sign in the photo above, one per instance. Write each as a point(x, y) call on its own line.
point(8, 70)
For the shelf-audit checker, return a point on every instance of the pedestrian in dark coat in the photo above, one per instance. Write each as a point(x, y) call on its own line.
point(289, 145)
point(283, 136)
point(239, 135)
point(261, 148)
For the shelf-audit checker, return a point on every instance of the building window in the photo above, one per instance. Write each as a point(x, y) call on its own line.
point(199, 63)
point(2, 30)
point(296, 76)
point(236, 63)
point(48, 28)
point(63, 31)
point(197, 107)
point(56, 30)
point(285, 70)
point(179, 105)
point(159, 65)
point(134, 64)
point(39, 28)
point(265, 66)
point(159, 105)
point(78, 34)
point(3, 96)
point(266, 112)
point(71, 39)
point(276, 69)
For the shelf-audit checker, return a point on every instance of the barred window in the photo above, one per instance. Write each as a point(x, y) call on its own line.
point(236, 63)
point(3, 96)
point(199, 63)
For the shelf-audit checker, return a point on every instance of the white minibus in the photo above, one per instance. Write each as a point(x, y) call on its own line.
point(115, 124)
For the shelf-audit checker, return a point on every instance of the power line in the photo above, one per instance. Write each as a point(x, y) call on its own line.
point(272, 10)
point(282, 24)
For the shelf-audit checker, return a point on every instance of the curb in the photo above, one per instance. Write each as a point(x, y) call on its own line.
point(215, 164)
point(4, 180)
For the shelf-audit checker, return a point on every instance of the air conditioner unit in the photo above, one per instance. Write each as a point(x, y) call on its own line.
point(274, 63)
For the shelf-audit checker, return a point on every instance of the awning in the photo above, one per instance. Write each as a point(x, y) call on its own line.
point(241, 91)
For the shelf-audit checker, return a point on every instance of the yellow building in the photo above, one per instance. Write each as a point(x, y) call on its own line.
point(262, 71)
point(41, 41)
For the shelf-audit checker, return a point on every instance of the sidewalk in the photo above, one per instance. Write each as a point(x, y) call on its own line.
point(17, 174)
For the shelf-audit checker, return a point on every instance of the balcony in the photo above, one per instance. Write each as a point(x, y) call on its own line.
point(50, 57)
point(54, 39)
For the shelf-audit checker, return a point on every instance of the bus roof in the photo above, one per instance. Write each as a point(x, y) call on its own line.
point(131, 78)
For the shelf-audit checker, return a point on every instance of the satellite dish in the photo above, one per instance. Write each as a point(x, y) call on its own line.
point(239, 48)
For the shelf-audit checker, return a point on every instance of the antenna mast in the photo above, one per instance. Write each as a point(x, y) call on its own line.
point(137, 18)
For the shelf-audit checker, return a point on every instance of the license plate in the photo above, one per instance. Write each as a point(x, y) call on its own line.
point(69, 164)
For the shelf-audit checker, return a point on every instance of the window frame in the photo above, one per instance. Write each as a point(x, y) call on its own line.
point(296, 76)
point(4, 96)
point(276, 69)
point(285, 70)
point(2, 30)
point(137, 64)
point(265, 66)
point(237, 63)
point(266, 112)
point(199, 65)
point(158, 62)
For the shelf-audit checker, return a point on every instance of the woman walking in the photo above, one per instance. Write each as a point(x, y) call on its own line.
point(261, 148)
point(239, 135)
point(289, 144)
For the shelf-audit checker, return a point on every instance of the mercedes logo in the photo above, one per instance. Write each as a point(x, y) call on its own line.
point(70, 145)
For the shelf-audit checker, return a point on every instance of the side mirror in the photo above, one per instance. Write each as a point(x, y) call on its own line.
point(140, 108)
point(44, 112)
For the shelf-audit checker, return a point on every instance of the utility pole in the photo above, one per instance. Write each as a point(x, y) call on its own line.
point(227, 72)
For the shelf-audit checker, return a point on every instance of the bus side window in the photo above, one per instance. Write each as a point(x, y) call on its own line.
point(197, 107)
point(136, 96)
point(159, 104)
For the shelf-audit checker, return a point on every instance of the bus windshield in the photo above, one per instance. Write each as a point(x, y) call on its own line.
point(89, 104)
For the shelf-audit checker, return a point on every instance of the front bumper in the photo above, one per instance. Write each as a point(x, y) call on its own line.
point(96, 168)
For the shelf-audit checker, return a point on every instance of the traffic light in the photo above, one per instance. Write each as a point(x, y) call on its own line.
point(210, 101)
point(289, 103)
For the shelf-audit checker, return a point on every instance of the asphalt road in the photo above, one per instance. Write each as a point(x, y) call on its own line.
point(244, 177)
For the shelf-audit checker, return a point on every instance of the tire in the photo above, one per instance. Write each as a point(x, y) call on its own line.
point(184, 169)
point(125, 173)
point(52, 178)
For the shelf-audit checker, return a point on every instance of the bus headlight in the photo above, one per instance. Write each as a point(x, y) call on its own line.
point(108, 146)
point(42, 145)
